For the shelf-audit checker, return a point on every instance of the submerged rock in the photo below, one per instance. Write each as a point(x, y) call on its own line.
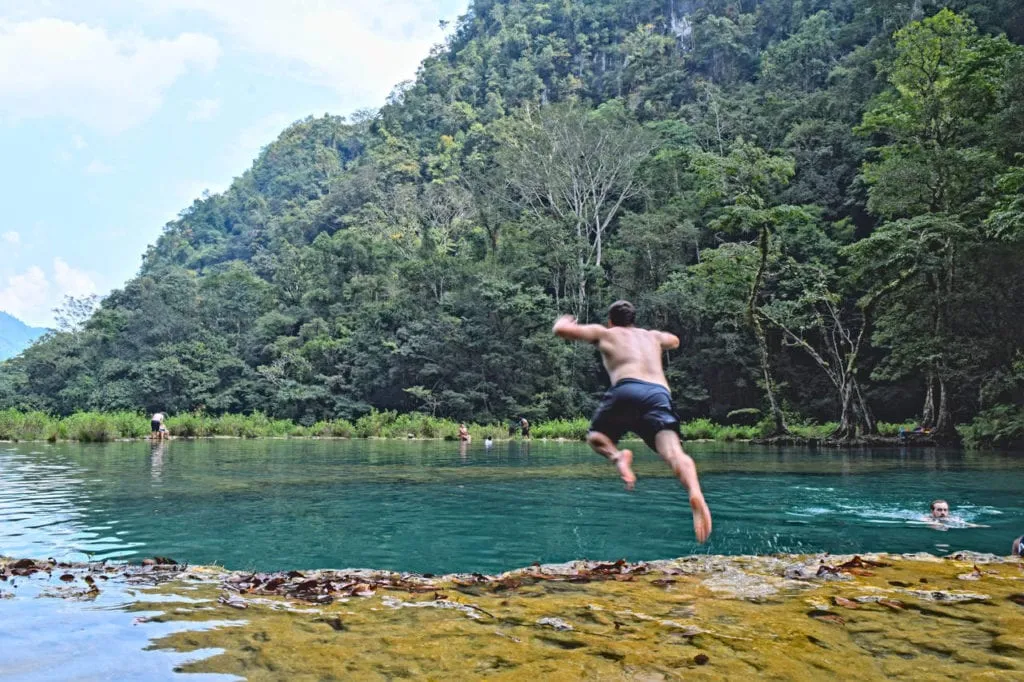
point(783, 617)
point(949, 596)
point(555, 623)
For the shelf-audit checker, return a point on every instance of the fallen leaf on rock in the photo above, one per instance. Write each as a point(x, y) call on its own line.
point(893, 604)
point(857, 562)
point(845, 603)
point(67, 577)
point(827, 616)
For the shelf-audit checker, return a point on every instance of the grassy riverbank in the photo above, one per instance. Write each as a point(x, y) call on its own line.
point(98, 427)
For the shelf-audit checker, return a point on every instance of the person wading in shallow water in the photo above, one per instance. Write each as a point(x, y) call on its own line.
point(156, 426)
point(638, 401)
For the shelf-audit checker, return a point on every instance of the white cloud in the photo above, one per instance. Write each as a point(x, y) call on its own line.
point(72, 281)
point(11, 238)
point(78, 142)
point(361, 49)
point(26, 296)
point(203, 110)
point(53, 67)
point(31, 295)
point(97, 167)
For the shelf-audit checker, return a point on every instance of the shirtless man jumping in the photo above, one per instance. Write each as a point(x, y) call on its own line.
point(638, 401)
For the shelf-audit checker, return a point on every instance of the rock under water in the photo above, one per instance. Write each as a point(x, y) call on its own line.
point(709, 617)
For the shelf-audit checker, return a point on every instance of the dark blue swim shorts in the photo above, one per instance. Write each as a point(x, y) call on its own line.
point(638, 406)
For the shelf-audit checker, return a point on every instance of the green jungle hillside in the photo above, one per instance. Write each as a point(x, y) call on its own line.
point(824, 199)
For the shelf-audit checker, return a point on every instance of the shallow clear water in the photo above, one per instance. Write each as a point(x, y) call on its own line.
point(431, 507)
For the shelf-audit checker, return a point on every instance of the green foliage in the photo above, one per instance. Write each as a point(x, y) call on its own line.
point(1000, 427)
point(821, 199)
point(569, 429)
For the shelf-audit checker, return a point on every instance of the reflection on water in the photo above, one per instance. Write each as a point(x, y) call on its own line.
point(441, 507)
point(103, 637)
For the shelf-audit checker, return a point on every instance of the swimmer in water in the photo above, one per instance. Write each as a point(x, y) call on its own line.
point(939, 519)
point(1018, 546)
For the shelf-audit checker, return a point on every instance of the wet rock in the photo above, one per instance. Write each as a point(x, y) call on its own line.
point(701, 659)
point(801, 572)
point(472, 611)
point(947, 596)
point(1011, 645)
point(233, 601)
point(921, 556)
point(976, 557)
point(739, 584)
point(555, 624)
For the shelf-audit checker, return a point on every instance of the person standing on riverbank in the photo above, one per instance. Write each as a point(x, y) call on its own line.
point(638, 401)
point(157, 430)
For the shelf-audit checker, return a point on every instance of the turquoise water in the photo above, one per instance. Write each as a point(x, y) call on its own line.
point(433, 507)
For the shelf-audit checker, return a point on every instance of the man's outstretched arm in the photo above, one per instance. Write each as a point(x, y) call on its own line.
point(668, 341)
point(567, 328)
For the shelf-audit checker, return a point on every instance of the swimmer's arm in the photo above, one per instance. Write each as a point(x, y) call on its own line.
point(567, 328)
point(667, 341)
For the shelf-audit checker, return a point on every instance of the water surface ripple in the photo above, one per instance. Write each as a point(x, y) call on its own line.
point(436, 507)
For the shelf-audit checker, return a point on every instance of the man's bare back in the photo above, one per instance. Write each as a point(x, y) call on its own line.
point(634, 353)
point(639, 400)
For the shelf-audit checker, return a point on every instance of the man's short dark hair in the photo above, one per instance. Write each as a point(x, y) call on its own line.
point(622, 314)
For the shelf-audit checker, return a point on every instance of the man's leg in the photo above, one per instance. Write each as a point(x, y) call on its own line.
point(622, 459)
point(666, 442)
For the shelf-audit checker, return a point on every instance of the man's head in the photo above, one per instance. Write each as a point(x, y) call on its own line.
point(622, 314)
point(1018, 546)
point(940, 509)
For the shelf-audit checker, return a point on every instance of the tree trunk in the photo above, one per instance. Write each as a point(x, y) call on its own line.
point(867, 418)
point(928, 412)
point(779, 420)
point(944, 428)
point(847, 429)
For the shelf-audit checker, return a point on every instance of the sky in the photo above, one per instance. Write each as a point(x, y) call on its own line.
point(116, 114)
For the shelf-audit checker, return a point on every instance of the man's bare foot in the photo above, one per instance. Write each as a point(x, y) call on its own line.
point(624, 463)
point(701, 517)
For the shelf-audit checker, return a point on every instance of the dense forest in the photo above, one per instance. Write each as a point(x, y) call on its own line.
point(824, 199)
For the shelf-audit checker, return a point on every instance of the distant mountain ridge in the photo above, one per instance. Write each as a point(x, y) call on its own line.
point(16, 336)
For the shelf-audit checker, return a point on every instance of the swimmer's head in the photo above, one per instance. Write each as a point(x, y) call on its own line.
point(1018, 546)
point(622, 314)
point(940, 509)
